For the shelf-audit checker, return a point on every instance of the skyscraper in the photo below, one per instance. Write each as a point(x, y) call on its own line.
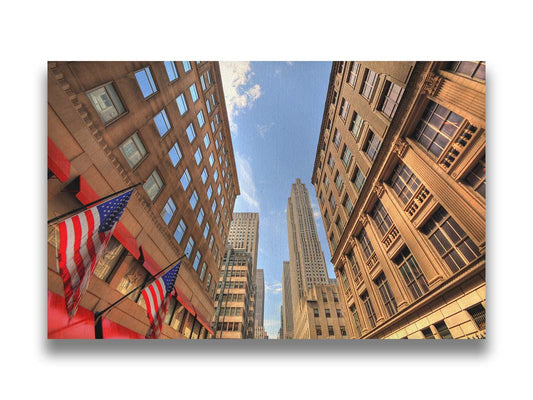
point(287, 327)
point(306, 268)
point(259, 297)
point(238, 279)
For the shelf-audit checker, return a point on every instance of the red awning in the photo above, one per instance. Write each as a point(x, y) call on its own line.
point(127, 240)
point(112, 330)
point(204, 322)
point(185, 302)
point(60, 326)
point(85, 192)
point(57, 162)
point(149, 263)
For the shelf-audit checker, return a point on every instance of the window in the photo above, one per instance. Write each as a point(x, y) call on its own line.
point(353, 262)
point(205, 175)
point(168, 211)
point(343, 330)
point(365, 243)
point(200, 117)
point(372, 145)
point(476, 177)
point(471, 69)
point(443, 331)
point(211, 241)
point(213, 131)
point(334, 100)
point(411, 273)
point(358, 179)
point(331, 162)
point(172, 72)
point(436, 128)
point(208, 106)
point(206, 230)
point(202, 82)
point(180, 231)
point(332, 202)
point(318, 329)
point(133, 150)
point(207, 141)
point(213, 99)
point(146, 82)
point(347, 204)
point(386, 294)
point(182, 104)
point(209, 192)
point(369, 84)
point(355, 125)
point(427, 333)
point(404, 182)
point(214, 207)
point(194, 92)
point(175, 154)
point(200, 217)
point(346, 156)
point(328, 314)
point(188, 249)
point(315, 312)
point(161, 122)
point(339, 182)
point(381, 218)
point(450, 241)
point(106, 102)
point(356, 320)
point(208, 282)
point(185, 179)
point(352, 73)
point(369, 309)
point(477, 313)
point(339, 314)
point(203, 271)
point(186, 66)
point(211, 159)
point(191, 133)
point(198, 156)
point(193, 200)
point(337, 138)
point(330, 330)
point(109, 259)
point(345, 107)
point(392, 94)
point(153, 185)
point(196, 262)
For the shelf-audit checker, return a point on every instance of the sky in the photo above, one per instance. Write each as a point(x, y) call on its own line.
point(275, 111)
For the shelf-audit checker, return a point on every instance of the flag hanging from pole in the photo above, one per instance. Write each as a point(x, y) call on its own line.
point(82, 241)
point(157, 296)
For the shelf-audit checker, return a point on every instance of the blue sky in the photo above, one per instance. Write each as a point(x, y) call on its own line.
point(275, 111)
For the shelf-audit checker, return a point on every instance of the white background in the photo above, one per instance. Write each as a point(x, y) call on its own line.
point(276, 30)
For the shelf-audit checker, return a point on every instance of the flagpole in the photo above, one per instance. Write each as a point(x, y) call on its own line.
point(64, 216)
point(98, 314)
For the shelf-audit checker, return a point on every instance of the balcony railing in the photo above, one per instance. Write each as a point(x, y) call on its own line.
point(457, 146)
point(478, 335)
point(390, 236)
point(372, 261)
point(418, 199)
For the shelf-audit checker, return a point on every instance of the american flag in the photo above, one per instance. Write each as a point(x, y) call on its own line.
point(157, 296)
point(82, 241)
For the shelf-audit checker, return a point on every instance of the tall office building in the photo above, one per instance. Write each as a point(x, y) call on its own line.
point(259, 297)
point(287, 326)
point(306, 268)
point(404, 145)
point(243, 239)
point(114, 124)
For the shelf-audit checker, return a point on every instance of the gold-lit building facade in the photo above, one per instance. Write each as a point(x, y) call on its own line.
point(164, 125)
point(400, 179)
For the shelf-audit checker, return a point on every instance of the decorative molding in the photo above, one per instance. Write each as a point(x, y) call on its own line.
point(432, 84)
point(400, 147)
point(379, 189)
point(363, 219)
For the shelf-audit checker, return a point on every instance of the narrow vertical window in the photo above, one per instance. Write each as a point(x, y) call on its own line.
point(172, 72)
point(182, 104)
point(146, 82)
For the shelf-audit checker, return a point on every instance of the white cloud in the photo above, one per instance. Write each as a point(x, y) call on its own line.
point(247, 183)
point(316, 211)
point(239, 95)
point(263, 129)
point(273, 288)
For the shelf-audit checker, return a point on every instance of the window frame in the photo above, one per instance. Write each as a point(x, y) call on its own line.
point(104, 85)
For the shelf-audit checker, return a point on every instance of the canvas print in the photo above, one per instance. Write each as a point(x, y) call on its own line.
point(266, 200)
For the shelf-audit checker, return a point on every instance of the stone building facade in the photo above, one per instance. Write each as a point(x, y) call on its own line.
point(164, 124)
point(399, 175)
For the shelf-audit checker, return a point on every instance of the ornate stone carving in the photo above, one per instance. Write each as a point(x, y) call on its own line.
point(363, 219)
point(400, 147)
point(379, 190)
point(432, 84)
